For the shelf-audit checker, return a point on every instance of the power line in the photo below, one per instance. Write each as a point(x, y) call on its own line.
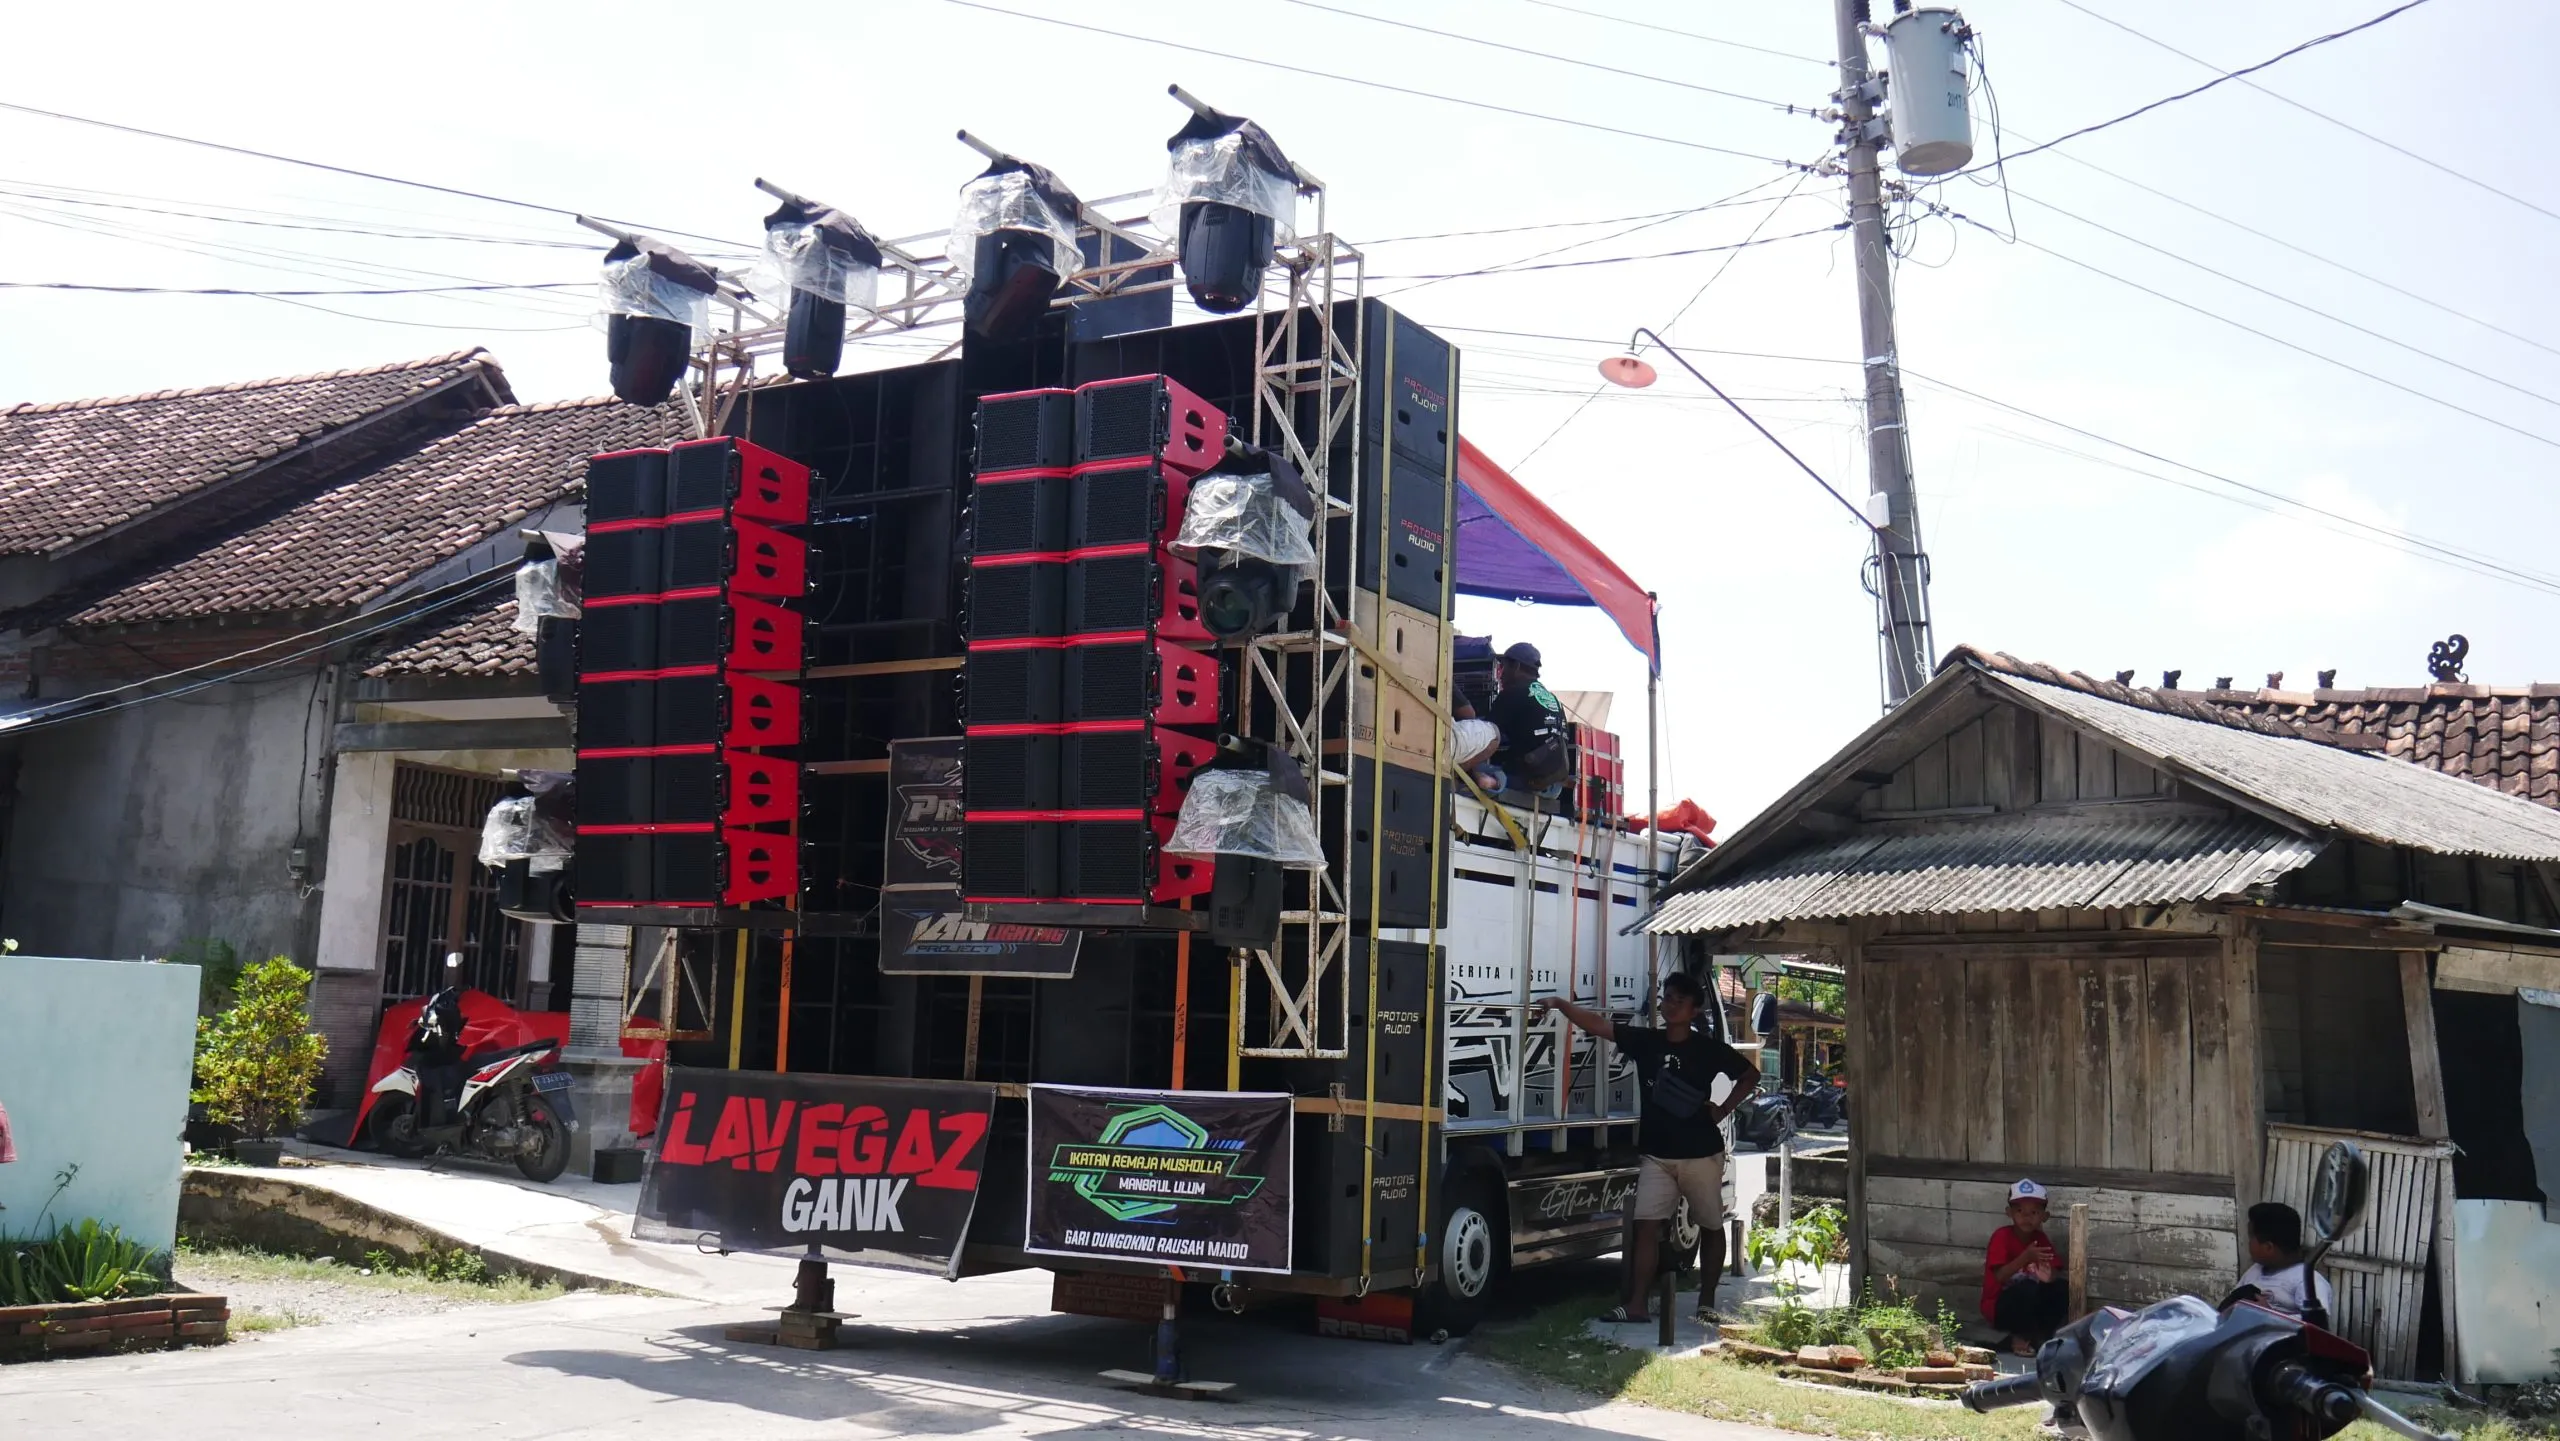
point(82, 198)
point(2441, 549)
point(2269, 336)
point(1230, 55)
point(1683, 34)
point(2289, 300)
point(2394, 147)
point(1780, 105)
point(2340, 266)
point(2315, 41)
point(340, 169)
point(1542, 225)
point(275, 294)
point(1523, 262)
point(1621, 259)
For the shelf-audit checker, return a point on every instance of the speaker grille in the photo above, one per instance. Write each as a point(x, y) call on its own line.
point(622, 562)
point(614, 791)
point(618, 637)
point(617, 714)
point(685, 868)
point(688, 789)
point(699, 477)
point(1105, 772)
point(1106, 860)
point(1010, 858)
point(691, 632)
point(1023, 431)
point(1120, 420)
point(1012, 516)
point(1013, 687)
point(697, 554)
point(1012, 601)
point(628, 486)
point(1112, 592)
point(1110, 682)
point(1116, 507)
point(1010, 773)
point(613, 868)
point(689, 710)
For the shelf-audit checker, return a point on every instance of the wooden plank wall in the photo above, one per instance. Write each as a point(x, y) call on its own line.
point(2109, 1077)
point(1926, 1238)
point(2379, 1266)
point(2328, 1014)
point(2009, 758)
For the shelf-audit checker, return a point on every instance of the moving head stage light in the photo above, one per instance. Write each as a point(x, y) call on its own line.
point(1229, 197)
point(828, 262)
point(1249, 524)
point(656, 299)
point(1015, 241)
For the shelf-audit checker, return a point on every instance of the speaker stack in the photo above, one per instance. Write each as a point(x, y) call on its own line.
point(686, 630)
point(1090, 683)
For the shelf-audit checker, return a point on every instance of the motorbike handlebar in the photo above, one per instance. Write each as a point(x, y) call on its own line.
point(2294, 1387)
point(2021, 1390)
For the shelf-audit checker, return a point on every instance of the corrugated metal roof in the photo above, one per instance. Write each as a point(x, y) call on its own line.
point(2017, 862)
point(2378, 798)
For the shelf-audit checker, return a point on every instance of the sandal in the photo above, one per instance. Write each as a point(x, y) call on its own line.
point(1617, 1316)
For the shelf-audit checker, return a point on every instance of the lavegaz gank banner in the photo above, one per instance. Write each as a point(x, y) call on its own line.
point(1187, 1178)
point(872, 1169)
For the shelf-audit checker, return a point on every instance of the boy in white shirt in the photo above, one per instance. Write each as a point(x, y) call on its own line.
point(2276, 1273)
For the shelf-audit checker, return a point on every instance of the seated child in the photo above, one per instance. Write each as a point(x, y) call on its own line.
point(2021, 1294)
point(2274, 1277)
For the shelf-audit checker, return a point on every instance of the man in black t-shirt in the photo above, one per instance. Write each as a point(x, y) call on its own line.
point(1679, 1135)
point(1531, 755)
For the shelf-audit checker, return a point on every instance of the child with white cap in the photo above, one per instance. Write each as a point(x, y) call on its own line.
point(2021, 1293)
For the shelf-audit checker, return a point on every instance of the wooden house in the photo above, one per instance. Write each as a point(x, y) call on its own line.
point(2154, 953)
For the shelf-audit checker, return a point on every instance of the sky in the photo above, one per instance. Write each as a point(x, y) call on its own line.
point(2109, 293)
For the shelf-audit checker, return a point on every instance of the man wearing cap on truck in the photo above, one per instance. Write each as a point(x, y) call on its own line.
point(1531, 755)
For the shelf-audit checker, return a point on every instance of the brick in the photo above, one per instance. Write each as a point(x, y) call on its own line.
point(202, 1330)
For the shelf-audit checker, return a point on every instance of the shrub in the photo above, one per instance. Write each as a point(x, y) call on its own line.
point(86, 1262)
point(257, 1061)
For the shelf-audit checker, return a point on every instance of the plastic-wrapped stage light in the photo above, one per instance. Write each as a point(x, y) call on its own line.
point(830, 265)
point(655, 299)
point(540, 593)
point(1246, 813)
point(1250, 522)
point(1015, 241)
point(1229, 200)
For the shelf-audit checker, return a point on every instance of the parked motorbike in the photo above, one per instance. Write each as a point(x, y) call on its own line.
point(2181, 1370)
point(1764, 1120)
point(1821, 1105)
point(502, 1105)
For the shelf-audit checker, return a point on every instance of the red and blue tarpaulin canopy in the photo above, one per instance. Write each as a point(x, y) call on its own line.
point(1511, 547)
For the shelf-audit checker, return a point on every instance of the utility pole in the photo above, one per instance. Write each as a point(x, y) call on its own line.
point(1897, 572)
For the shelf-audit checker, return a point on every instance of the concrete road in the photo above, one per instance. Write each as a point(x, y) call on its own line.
point(982, 1358)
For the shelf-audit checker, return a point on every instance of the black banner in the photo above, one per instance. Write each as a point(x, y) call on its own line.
point(1185, 1178)
point(866, 1168)
point(924, 812)
point(923, 932)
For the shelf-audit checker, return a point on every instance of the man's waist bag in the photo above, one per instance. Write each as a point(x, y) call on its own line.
point(1675, 1097)
point(1543, 765)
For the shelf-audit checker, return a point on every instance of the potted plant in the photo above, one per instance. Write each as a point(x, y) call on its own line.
point(256, 1061)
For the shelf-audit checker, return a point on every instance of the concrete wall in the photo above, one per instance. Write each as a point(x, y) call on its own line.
point(95, 1061)
point(143, 829)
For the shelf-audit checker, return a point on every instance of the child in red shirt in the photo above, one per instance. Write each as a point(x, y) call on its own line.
point(2021, 1293)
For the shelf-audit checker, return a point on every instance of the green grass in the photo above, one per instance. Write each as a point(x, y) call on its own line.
point(459, 1278)
point(254, 1322)
point(1556, 1345)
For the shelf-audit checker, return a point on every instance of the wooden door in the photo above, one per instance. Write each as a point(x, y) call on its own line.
point(438, 898)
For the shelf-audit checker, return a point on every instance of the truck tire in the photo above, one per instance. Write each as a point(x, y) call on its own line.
point(1471, 1249)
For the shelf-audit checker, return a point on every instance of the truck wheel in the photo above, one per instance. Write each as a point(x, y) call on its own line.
point(1473, 1253)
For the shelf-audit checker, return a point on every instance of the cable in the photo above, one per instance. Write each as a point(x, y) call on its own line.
point(1780, 105)
point(1543, 225)
point(1523, 261)
point(1685, 307)
point(345, 170)
point(2315, 41)
point(1684, 34)
point(62, 714)
point(1688, 349)
point(1618, 259)
point(2437, 165)
point(2286, 299)
point(2268, 336)
point(1370, 84)
point(2442, 549)
point(82, 198)
point(277, 294)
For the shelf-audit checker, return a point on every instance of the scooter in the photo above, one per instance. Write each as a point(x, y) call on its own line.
point(2180, 1370)
point(1821, 1105)
point(512, 1105)
point(1766, 1119)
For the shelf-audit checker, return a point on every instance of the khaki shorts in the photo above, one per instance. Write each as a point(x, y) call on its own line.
point(1660, 1184)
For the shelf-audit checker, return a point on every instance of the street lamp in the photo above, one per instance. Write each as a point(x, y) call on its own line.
point(1633, 373)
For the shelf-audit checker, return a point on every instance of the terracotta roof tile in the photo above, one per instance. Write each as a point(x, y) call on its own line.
point(2503, 737)
point(70, 469)
point(478, 642)
point(350, 543)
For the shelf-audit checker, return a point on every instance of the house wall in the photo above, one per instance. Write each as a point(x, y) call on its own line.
point(2009, 758)
point(140, 830)
point(2103, 1068)
point(95, 1060)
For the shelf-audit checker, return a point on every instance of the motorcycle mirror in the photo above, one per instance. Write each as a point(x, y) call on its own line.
point(453, 960)
point(2337, 1192)
point(1764, 1014)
